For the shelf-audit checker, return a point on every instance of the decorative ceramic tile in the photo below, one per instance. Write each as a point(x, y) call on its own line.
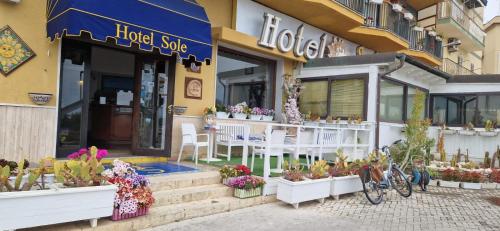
point(14, 52)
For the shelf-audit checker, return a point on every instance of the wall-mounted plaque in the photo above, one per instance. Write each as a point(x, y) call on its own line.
point(193, 88)
point(14, 52)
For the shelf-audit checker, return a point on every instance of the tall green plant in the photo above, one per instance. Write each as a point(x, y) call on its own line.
point(417, 142)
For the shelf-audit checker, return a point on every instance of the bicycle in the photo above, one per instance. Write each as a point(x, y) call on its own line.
point(393, 177)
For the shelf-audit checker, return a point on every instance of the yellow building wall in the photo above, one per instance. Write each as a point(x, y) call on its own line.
point(39, 74)
point(491, 61)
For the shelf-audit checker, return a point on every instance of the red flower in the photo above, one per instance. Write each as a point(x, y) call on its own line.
point(243, 170)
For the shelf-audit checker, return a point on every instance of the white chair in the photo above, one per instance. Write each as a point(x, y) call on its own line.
point(277, 139)
point(231, 135)
point(190, 137)
point(307, 144)
point(329, 141)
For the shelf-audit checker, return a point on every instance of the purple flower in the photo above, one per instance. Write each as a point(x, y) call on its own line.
point(101, 153)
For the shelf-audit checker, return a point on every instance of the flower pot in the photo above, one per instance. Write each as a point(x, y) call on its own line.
point(489, 185)
point(467, 185)
point(488, 134)
point(222, 115)
point(247, 193)
point(449, 184)
point(118, 217)
point(226, 181)
point(466, 133)
point(267, 118)
point(307, 190)
point(345, 184)
point(255, 117)
point(239, 116)
point(40, 98)
point(180, 110)
point(57, 205)
point(449, 132)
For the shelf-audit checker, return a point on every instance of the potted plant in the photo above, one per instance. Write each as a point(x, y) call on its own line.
point(227, 173)
point(450, 178)
point(134, 196)
point(81, 189)
point(468, 130)
point(247, 186)
point(489, 129)
point(256, 113)
point(222, 111)
point(239, 111)
point(471, 179)
point(344, 177)
point(267, 114)
point(294, 188)
point(447, 131)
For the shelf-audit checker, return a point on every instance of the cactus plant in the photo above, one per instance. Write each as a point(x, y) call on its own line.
point(82, 172)
point(487, 160)
point(5, 173)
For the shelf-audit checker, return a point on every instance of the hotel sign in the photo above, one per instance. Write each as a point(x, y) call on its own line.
point(286, 40)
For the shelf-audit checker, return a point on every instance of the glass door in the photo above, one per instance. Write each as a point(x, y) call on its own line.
point(73, 98)
point(152, 119)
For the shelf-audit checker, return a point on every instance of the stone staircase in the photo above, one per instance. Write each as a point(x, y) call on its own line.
point(178, 197)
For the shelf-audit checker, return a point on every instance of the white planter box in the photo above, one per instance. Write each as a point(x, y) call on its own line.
point(345, 184)
point(255, 117)
point(239, 116)
point(267, 118)
point(49, 179)
point(466, 185)
point(449, 132)
point(488, 134)
point(45, 207)
point(308, 190)
point(222, 115)
point(489, 185)
point(466, 133)
point(449, 184)
point(397, 8)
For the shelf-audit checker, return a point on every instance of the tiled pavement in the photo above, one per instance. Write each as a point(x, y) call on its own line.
point(438, 209)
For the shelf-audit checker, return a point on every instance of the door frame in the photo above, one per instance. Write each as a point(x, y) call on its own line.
point(171, 62)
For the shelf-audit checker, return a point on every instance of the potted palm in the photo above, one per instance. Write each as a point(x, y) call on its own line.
point(294, 187)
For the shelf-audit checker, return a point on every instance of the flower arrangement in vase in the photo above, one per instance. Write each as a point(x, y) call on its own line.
point(222, 112)
point(227, 173)
point(239, 111)
point(267, 114)
point(247, 186)
point(134, 196)
point(292, 87)
point(256, 113)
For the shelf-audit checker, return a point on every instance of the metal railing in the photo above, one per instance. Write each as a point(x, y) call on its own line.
point(383, 17)
point(422, 41)
point(459, 14)
point(355, 5)
point(454, 68)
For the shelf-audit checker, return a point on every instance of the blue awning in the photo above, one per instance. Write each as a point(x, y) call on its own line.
point(172, 26)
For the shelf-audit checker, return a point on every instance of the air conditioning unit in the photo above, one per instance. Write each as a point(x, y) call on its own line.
point(12, 1)
point(378, 2)
point(454, 46)
point(409, 16)
point(397, 7)
point(418, 28)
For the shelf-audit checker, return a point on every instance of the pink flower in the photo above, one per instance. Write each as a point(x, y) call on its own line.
point(101, 154)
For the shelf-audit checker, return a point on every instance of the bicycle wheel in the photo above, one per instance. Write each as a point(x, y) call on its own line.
point(424, 181)
point(400, 182)
point(372, 189)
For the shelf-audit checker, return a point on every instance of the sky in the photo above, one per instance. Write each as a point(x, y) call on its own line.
point(492, 10)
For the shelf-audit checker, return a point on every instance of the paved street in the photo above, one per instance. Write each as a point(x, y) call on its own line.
point(440, 209)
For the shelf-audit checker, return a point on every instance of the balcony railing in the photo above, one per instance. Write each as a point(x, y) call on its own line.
point(469, 20)
point(454, 68)
point(422, 41)
point(383, 17)
point(355, 5)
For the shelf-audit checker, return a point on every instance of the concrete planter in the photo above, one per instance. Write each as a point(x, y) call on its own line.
point(449, 132)
point(255, 117)
point(267, 118)
point(449, 184)
point(222, 115)
point(466, 133)
point(58, 205)
point(489, 185)
point(488, 134)
point(239, 116)
point(467, 185)
point(345, 184)
point(307, 190)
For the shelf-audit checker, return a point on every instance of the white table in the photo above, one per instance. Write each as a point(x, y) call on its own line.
point(211, 143)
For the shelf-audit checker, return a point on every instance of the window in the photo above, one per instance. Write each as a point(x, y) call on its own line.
point(242, 78)
point(457, 110)
point(391, 101)
point(347, 97)
point(314, 98)
point(396, 101)
point(335, 96)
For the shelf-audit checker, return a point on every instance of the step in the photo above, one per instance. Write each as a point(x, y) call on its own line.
point(197, 193)
point(168, 214)
point(184, 180)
